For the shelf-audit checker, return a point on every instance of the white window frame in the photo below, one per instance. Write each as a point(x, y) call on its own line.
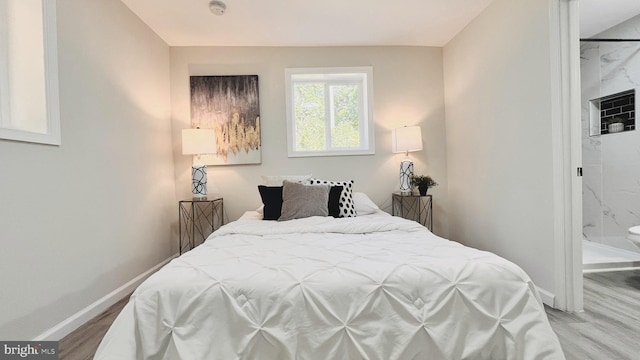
point(4, 69)
point(50, 39)
point(367, 128)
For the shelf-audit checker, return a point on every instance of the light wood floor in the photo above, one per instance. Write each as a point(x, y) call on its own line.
point(83, 342)
point(609, 327)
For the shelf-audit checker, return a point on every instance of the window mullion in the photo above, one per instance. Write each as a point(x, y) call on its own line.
point(328, 115)
point(363, 120)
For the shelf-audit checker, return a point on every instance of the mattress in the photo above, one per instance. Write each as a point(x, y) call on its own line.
point(370, 287)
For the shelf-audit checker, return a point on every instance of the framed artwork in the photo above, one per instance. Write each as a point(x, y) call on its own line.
point(230, 106)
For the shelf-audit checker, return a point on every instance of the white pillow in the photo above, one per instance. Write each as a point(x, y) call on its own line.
point(278, 179)
point(363, 204)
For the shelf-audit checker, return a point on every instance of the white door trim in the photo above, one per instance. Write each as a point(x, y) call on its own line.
point(567, 150)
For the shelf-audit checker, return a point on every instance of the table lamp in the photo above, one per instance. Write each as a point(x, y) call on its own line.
point(406, 139)
point(198, 142)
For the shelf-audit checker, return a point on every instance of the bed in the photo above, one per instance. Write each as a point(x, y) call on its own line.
point(365, 287)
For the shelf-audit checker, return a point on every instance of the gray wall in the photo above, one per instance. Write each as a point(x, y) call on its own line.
point(499, 136)
point(80, 220)
point(408, 90)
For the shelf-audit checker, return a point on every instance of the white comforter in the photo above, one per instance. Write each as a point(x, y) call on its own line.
point(324, 288)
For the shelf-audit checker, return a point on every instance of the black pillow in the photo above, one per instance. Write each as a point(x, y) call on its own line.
point(272, 200)
point(334, 201)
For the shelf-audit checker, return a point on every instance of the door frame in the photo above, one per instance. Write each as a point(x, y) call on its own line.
point(567, 149)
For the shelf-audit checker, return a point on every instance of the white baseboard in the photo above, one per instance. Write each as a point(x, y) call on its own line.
point(76, 320)
point(548, 298)
point(589, 271)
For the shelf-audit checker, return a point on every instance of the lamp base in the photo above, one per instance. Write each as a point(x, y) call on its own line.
point(406, 171)
point(199, 181)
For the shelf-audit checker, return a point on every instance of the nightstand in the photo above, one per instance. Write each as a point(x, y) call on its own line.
point(198, 218)
point(413, 207)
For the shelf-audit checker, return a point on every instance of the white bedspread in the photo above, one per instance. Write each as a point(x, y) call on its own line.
point(324, 288)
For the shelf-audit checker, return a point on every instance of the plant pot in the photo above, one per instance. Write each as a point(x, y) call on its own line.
point(615, 127)
point(423, 190)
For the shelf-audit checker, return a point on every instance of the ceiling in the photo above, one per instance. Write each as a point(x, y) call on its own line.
point(308, 23)
point(599, 15)
point(337, 22)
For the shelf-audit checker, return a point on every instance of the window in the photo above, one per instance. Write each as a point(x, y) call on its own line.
point(29, 106)
point(329, 111)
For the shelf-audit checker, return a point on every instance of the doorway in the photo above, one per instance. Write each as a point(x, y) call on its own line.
point(610, 79)
point(568, 134)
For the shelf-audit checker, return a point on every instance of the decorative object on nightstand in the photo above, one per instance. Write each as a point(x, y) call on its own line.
point(198, 218)
point(198, 142)
point(413, 207)
point(406, 139)
point(423, 183)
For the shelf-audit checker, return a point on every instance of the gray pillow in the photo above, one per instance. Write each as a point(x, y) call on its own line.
point(301, 201)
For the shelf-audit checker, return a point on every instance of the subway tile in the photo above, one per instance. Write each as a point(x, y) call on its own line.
point(621, 102)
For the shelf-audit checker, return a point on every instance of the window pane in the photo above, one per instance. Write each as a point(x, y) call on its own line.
point(310, 116)
point(345, 120)
point(29, 101)
point(26, 97)
point(329, 111)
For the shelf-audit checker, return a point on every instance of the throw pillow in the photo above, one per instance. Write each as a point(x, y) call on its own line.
point(272, 200)
point(302, 201)
point(347, 208)
point(334, 201)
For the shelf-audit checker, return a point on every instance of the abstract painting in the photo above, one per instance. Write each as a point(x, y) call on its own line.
point(230, 106)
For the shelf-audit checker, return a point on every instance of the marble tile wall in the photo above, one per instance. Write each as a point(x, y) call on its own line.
point(611, 162)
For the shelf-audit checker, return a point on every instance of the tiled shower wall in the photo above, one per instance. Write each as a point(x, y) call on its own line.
point(611, 162)
point(621, 106)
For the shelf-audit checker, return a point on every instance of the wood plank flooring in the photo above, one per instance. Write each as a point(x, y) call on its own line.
point(608, 329)
point(83, 342)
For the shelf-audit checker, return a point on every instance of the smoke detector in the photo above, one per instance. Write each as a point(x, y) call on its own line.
point(217, 7)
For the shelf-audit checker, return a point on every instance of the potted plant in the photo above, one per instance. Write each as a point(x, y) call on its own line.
point(423, 183)
point(615, 125)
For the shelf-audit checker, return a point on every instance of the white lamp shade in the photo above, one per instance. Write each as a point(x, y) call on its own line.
point(407, 139)
point(198, 141)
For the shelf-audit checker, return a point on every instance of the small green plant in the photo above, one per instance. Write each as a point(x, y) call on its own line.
point(423, 181)
point(616, 120)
